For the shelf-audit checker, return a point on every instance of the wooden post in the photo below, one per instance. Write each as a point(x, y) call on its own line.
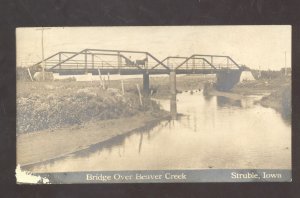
point(122, 84)
point(140, 95)
point(29, 74)
point(173, 105)
point(108, 79)
point(100, 77)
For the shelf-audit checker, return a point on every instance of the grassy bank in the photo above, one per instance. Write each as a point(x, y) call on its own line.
point(51, 105)
point(280, 100)
point(277, 91)
point(261, 86)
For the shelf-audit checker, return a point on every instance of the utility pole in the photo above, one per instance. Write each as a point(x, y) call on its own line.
point(43, 58)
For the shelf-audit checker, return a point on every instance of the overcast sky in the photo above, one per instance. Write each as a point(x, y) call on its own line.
point(254, 46)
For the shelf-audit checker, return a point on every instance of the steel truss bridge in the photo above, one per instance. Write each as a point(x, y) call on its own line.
point(133, 62)
point(123, 62)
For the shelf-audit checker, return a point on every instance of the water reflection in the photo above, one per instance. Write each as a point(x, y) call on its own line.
point(214, 133)
point(227, 102)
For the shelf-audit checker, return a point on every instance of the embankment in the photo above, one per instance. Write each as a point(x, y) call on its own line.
point(277, 93)
point(58, 118)
point(53, 105)
point(280, 100)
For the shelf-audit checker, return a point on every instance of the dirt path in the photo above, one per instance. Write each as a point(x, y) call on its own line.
point(46, 145)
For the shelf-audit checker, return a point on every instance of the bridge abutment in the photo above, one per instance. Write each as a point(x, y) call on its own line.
point(226, 79)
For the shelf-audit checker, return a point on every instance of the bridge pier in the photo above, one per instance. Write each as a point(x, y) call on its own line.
point(146, 83)
point(173, 104)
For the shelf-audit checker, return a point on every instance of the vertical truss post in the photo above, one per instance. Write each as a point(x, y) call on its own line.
point(168, 63)
point(85, 62)
point(59, 60)
point(193, 62)
point(119, 60)
point(146, 62)
point(186, 65)
point(93, 61)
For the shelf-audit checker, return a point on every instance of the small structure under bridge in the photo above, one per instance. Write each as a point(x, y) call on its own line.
point(125, 62)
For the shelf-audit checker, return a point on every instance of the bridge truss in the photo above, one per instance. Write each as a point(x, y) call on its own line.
point(126, 62)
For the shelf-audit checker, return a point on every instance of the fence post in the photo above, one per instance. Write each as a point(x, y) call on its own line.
point(100, 77)
point(140, 95)
point(122, 84)
point(108, 80)
point(29, 74)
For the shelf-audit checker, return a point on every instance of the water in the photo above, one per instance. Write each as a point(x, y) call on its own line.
point(214, 132)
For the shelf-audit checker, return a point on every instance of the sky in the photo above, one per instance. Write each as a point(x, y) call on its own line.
point(261, 47)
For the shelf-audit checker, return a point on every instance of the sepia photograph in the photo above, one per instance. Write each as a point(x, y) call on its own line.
point(153, 104)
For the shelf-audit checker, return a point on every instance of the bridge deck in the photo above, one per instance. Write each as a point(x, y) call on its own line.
point(130, 71)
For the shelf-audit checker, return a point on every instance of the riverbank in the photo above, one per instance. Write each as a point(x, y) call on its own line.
point(280, 100)
point(52, 105)
point(261, 86)
point(276, 93)
point(60, 117)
